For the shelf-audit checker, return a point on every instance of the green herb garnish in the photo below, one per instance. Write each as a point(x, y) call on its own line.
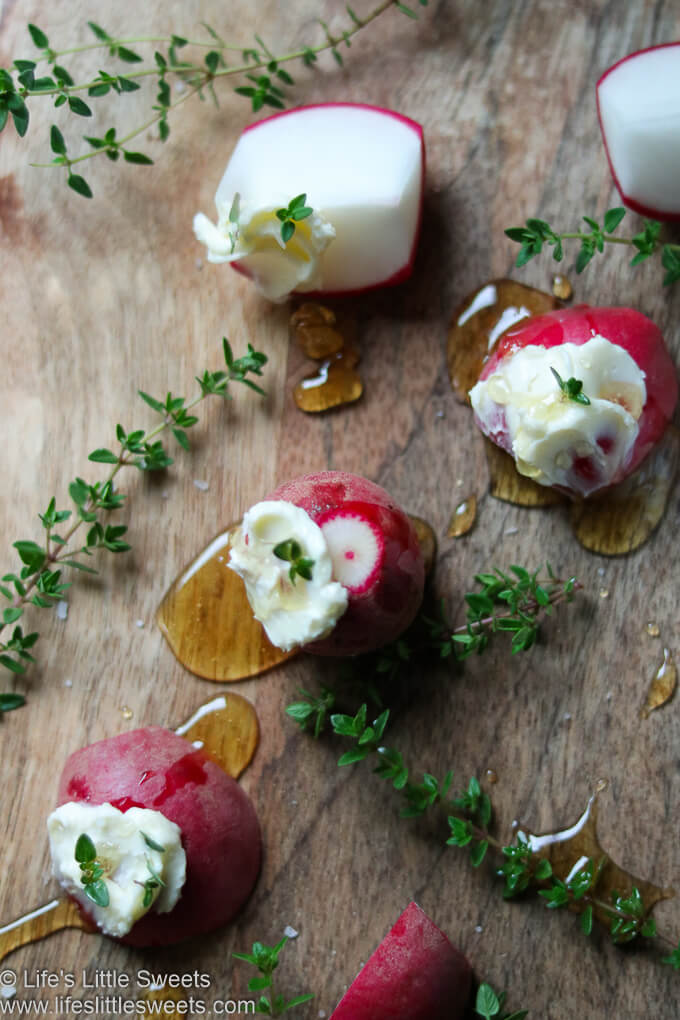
point(265, 81)
point(266, 959)
point(91, 871)
point(8, 702)
point(152, 883)
point(536, 233)
point(38, 580)
point(489, 1005)
point(152, 844)
point(571, 388)
point(291, 551)
point(292, 214)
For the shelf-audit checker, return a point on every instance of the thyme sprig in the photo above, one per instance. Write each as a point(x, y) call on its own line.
point(469, 815)
point(527, 598)
point(91, 871)
point(536, 233)
point(489, 1005)
point(264, 78)
point(266, 960)
point(290, 551)
point(38, 581)
point(571, 388)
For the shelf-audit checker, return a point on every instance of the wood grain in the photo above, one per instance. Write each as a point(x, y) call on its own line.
point(105, 297)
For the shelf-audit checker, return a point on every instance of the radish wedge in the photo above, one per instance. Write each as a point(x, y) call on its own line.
point(638, 102)
point(414, 974)
point(361, 171)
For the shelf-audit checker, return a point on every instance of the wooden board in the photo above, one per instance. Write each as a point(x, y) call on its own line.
point(105, 297)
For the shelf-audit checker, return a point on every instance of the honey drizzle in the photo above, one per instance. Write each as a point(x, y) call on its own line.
point(613, 523)
point(227, 729)
point(319, 334)
point(662, 687)
point(568, 851)
point(206, 619)
point(480, 319)
point(54, 916)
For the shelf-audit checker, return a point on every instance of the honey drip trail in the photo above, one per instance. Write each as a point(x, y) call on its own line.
point(38, 924)
point(568, 850)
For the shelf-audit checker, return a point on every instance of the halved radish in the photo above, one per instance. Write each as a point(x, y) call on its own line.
point(374, 556)
point(638, 103)
point(578, 447)
point(154, 768)
point(414, 974)
point(361, 170)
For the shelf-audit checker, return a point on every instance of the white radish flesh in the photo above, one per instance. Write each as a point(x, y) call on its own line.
point(639, 108)
point(362, 171)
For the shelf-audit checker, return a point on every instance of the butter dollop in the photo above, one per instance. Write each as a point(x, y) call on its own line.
point(130, 864)
point(552, 434)
point(295, 612)
point(250, 233)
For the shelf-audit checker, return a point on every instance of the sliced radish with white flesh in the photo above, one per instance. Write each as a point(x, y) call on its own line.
point(361, 172)
point(371, 546)
point(356, 549)
point(638, 102)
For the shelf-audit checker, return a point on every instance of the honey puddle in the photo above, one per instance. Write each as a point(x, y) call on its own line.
point(322, 337)
point(206, 619)
point(612, 524)
point(227, 729)
point(569, 850)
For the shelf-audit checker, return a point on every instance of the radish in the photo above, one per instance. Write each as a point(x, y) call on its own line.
point(370, 553)
point(414, 974)
point(638, 103)
point(578, 396)
point(356, 173)
point(156, 769)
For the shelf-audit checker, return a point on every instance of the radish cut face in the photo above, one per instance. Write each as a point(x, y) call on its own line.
point(361, 169)
point(638, 102)
point(356, 550)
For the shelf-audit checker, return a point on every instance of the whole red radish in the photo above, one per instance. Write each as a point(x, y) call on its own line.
point(636, 392)
point(156, 769)
point(414, 974)
point(375, 554)
point(321, 199)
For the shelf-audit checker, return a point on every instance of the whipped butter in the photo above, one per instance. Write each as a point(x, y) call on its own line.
point(556, 440)
point(249, 232)
point(292, 612)
point(131, 866)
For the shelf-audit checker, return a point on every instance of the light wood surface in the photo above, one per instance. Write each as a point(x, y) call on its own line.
point(101, 298)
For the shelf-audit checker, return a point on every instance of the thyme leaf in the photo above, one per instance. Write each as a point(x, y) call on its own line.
point(537, 233)
point(38, 579)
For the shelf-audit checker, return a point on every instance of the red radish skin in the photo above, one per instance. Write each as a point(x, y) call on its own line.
point(404, 272)
point(387, 601)
point(154, 768)
point(414, 974)
point(630, 200)
point(632, 331)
